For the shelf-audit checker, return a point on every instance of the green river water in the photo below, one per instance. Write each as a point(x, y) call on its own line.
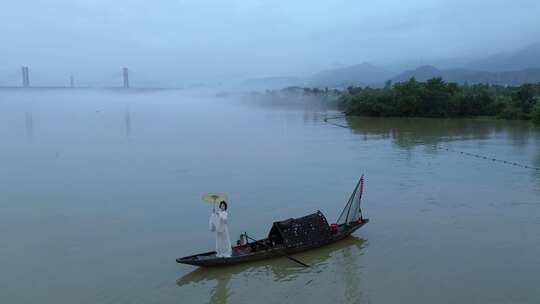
point(100, 193)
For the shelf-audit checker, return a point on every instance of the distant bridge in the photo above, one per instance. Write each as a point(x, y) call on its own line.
point(122, 77)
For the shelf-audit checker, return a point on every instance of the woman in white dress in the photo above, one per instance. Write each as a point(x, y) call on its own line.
point(218, 223)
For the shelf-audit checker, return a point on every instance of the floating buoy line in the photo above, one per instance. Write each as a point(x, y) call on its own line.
point(488, 158)
point(329, 120)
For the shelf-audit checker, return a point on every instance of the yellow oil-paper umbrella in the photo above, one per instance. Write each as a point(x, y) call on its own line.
point(214, 197)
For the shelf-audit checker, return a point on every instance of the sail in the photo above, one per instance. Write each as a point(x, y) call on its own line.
point(352, 211)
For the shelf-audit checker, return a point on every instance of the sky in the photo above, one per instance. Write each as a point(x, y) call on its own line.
point(200, 41)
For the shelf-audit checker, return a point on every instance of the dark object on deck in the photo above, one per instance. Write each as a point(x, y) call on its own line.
point(301, 231)
point(291, 236)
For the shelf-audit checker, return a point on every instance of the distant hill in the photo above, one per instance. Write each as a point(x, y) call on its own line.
point(359, 74)
point(519, 77)
point(274, 82)
point(511, 68)
point(525, 58)
point(426, 72)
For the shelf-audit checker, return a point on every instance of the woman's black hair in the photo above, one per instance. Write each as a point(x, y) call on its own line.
point(223, 203)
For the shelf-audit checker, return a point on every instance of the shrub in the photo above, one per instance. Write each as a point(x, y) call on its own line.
point(536, 112)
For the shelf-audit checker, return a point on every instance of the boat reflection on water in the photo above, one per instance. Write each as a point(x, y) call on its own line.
point(340, 256)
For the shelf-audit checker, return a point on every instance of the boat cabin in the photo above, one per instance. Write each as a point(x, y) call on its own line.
point(297, 232)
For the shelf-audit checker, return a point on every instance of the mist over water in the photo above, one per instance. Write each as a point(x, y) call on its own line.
point(116, 116)
point(181, 43)
point(101, 193)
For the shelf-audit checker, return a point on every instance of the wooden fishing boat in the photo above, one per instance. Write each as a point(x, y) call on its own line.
point(291, 236)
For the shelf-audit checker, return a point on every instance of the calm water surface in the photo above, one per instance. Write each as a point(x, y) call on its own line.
point(100, 193)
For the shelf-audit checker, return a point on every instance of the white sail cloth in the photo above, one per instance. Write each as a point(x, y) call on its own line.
point(218, 224)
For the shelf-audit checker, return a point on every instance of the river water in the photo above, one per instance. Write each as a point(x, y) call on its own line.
point(100, 193)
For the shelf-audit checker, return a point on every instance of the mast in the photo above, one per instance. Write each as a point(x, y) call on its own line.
point(347, 210)
point(351, 200)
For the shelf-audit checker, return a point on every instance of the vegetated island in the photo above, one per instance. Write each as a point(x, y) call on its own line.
point(438, 99)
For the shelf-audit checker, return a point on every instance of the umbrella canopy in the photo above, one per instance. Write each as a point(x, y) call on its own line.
point(214, 197)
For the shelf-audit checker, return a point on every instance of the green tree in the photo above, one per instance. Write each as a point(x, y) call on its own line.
point(498, 106)
point(536, 112)
point(436, 98)
point(524, 100)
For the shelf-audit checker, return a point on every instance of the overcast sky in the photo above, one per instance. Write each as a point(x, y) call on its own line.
point(193, 41)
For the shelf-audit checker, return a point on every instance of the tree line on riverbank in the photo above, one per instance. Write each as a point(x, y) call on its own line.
point(436, 98)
